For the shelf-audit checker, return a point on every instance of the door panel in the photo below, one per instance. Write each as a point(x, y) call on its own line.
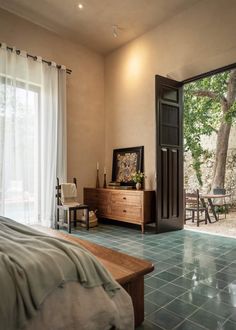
point(169, 154)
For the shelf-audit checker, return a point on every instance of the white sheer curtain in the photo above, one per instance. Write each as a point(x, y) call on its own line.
point(32, 137)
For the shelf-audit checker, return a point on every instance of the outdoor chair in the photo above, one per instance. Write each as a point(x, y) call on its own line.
point(194, 208)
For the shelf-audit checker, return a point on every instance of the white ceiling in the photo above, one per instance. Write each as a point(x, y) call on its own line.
point(92, 26)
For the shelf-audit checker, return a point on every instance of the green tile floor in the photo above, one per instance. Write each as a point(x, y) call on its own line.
point(193, 285)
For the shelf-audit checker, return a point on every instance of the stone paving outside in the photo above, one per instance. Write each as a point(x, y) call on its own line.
point(225, 227)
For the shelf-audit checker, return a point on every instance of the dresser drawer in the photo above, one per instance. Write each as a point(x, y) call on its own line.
point(126, 212)
point(95, 197)
point(126, 198)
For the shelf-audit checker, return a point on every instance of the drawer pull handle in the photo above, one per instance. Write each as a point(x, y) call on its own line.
point(124, 210)
point(124, 197)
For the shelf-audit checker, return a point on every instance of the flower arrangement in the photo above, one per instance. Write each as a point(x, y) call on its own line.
point(138, 177)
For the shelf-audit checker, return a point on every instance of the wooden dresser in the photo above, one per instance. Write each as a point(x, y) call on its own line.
point(133, 206)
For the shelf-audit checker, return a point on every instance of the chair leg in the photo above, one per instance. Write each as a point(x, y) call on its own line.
point(57, 219)
point(193, 215)
point(75, 218)
point(87, 219)
point(198, 219)
point(69, 221)
point(205, 218)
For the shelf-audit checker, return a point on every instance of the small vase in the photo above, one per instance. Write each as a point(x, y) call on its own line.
point(138, 185)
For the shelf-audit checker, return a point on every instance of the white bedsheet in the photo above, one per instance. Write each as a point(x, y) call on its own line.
point(74, 307)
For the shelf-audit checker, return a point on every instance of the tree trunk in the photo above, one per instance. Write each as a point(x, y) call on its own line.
point(221, 155)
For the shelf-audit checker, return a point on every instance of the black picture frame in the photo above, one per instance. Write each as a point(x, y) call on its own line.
point(126, 161)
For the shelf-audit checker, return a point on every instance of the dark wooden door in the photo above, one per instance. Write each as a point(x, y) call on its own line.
point(169, 154)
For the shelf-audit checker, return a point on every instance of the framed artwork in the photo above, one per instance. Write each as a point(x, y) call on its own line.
point(127, 161)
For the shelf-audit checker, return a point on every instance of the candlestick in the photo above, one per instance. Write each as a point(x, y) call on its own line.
point(105, 180)
point(97, 180)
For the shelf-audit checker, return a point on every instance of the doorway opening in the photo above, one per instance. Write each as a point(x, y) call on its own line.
point(210, 152)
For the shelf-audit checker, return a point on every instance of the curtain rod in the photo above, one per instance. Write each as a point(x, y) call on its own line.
point(69, 71)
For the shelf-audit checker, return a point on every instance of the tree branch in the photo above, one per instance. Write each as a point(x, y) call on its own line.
point(204, 93)
point(212, 95)
point(213, 129)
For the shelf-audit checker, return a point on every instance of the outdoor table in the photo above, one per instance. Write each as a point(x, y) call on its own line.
point(209, 198)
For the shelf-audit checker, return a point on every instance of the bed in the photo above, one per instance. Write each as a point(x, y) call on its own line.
point(50, 283)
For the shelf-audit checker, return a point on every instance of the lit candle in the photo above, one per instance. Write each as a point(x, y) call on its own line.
point(97, 165)
point(105, 170)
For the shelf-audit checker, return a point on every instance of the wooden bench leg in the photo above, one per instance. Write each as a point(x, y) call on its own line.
point(136, 290)
point(69, 220)
point(87, 218)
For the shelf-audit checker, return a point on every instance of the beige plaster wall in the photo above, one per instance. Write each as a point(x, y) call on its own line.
point(85, 92)
point(200, 39)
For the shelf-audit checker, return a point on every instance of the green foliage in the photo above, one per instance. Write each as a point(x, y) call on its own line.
point(203, 115)
point(138, 176)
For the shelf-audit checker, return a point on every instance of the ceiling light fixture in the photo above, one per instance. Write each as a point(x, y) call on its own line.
point(80, 6)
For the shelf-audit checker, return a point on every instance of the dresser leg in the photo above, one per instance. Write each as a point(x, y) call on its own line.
point(142, 227)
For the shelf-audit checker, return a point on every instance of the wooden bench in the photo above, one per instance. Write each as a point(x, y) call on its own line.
point(128, 271)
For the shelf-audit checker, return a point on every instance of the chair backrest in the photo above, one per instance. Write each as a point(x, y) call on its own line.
point(58, 191)
point(192, 199)
point(219, 191)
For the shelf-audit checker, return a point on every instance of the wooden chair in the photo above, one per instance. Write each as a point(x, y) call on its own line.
point(194, 206)
point(68, 209)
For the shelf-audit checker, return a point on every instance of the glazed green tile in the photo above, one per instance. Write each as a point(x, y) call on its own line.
point(167, 276)
point(188, 325)
point(227, 298)
point(231, 270)
point(218, 308)
point(148, 326)
point(207, 320)
point(181, 308)
point(178, 271)
point(158, 250)
point(187, 266)
point(230, 256)
point(155, 282)
point(152, 244)
point(159, 257)
point(225, 277)
point(184, 282)
point(233, 316)
point(148, 289)
point(149, 307)
point(205, 290)
point(193, 298)
point(172, 290)
point(221, 261)
point(161, 266)
point(215, 283)
point(229, 325)
point(165, 319)
point(159, 298)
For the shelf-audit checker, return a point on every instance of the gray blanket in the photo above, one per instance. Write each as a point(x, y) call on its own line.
point(33, 264)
